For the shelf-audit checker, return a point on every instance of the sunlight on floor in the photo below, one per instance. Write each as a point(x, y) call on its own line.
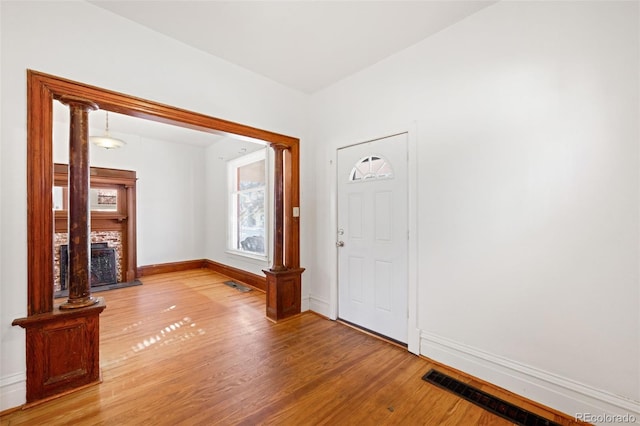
point(166, 337)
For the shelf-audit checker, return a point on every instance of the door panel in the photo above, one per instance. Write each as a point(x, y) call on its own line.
point(383, 216)
point(383, 285)
point(355, 217)
point(372, 225)
point(356, 288)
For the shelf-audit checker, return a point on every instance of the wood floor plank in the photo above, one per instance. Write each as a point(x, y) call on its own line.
point(186, 349)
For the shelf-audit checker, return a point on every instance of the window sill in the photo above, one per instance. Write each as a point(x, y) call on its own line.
point(248, 256)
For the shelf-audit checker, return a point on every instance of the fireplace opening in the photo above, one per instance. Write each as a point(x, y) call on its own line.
point(103, 265)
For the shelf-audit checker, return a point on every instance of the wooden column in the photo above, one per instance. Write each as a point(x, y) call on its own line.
point(62, 345)
point(283, 284)
point(132, 251)
point(79, 271)
point(278, 209)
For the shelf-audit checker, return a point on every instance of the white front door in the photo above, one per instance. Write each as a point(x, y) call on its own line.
point(372, 236)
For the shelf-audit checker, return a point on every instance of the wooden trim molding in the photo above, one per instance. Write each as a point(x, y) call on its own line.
point(257, 281)
point(163, 268)
point(254, 280)
point(39, 200)
point(42, 90)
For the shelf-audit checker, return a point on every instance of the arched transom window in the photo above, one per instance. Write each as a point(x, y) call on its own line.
point(371, 167)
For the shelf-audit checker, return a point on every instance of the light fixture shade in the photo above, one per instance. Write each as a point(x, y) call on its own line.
point(106, 141)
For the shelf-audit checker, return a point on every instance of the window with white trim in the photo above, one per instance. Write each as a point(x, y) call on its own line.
point(248, 210)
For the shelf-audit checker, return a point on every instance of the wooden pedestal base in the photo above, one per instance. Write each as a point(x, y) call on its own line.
point(283, 293)
point(62, 350)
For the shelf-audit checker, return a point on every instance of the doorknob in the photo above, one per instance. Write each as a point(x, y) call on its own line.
point(340, 244)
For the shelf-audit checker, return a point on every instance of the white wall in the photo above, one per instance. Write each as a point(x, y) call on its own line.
point(527, 194)
point(81, 42)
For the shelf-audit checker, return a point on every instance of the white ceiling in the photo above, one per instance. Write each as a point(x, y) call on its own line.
point(306, 45)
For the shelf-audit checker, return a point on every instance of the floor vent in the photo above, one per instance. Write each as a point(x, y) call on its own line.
point(488, 402)
point(237, 286)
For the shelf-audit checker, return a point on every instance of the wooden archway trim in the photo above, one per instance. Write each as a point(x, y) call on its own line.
point(51, 331)
point(42, 89)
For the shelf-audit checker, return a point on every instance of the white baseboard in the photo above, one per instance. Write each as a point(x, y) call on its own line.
point(304, 304)
point(13, 391)
point(551, 390)
point(319, 306)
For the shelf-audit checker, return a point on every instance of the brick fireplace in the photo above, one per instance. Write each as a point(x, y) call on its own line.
point(99, 239)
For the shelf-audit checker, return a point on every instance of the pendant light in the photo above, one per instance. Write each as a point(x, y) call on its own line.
point(106, 141)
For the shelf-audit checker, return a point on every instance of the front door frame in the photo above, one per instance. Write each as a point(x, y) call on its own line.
point(413, 329)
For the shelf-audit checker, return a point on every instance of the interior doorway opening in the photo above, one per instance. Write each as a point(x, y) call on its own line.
point(51, 331)
point(43, 89)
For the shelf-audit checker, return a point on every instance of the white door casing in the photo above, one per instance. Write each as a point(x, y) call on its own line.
point(372, 236)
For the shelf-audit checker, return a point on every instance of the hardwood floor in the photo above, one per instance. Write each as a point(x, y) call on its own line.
point(185, 349)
